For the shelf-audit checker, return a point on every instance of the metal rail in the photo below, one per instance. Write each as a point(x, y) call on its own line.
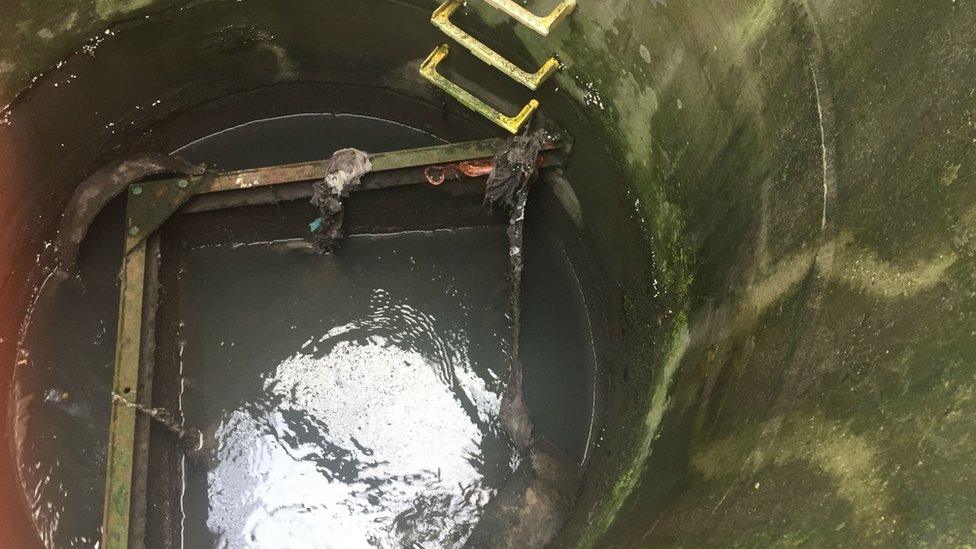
point(382, 162)
point(122, 425)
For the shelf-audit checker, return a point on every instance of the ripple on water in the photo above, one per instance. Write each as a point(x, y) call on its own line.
point(373, 420)
point(381, 428)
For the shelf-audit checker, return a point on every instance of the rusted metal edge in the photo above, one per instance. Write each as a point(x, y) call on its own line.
point(395, 160)
point(286, 192)
point(147, 360)
point(152, 203)
point(125, 387)
point(95, 192)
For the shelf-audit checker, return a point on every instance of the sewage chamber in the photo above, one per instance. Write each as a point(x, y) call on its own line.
point(772, 205)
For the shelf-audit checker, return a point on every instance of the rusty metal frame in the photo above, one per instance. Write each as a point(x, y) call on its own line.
point(149, 205)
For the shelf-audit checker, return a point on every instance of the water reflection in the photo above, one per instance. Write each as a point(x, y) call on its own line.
point(61, 393)
point(368, 446)
point(380, 427)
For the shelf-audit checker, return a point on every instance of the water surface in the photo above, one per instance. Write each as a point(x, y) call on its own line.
point(348, 401)
point(352, 399)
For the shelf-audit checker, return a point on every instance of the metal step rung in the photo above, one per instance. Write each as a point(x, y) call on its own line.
point(511, 123)
point(542, 25)
point(442, 20)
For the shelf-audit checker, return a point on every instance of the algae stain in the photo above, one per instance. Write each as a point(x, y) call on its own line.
point(660, 399)
point(754, 22)
point(964, 233)
point(853, 266)
point(645, 54)
point(70, 21)
point(636, 106)
point(950, 174)
point(861, 269)
point(851, 461)
point(740, 315)
point(286, 66)
point(605, 14)
point(787, 275)
point(108, 9)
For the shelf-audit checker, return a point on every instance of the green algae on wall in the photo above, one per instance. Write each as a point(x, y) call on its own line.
point(805, 173)
point(110, 9)
point(644, 441)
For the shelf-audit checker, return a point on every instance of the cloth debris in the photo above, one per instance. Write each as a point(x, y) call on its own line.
point(516, 167)
point(344, 171)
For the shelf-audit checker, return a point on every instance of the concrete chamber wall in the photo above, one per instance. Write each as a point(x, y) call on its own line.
point(782, 196)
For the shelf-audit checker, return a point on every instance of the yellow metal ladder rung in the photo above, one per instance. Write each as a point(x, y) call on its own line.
point(442, 20)
point(540, 24)
point(511, 123)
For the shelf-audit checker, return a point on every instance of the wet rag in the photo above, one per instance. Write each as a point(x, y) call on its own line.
point(516, 167)
point(343, 173)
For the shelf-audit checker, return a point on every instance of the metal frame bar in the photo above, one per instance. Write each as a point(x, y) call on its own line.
point(150, 205)
point(511, 123)
point(382, 162)
point(442, 20)
point(122, 425)
point(540, 24)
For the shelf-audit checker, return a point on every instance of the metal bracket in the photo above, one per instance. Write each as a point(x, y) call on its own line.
point(542, 25)
point(511, 123)
point(442, 20)
point(152, 203)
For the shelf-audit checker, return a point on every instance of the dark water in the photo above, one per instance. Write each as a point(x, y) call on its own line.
point(349, 401)
point(353, 398)
point(557, 347)
point(62, 392)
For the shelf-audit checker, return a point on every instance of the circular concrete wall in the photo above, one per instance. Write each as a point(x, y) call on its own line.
point(780, 196)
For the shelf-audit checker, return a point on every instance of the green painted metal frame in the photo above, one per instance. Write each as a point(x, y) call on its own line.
point(150, 204)
point(122, 425)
